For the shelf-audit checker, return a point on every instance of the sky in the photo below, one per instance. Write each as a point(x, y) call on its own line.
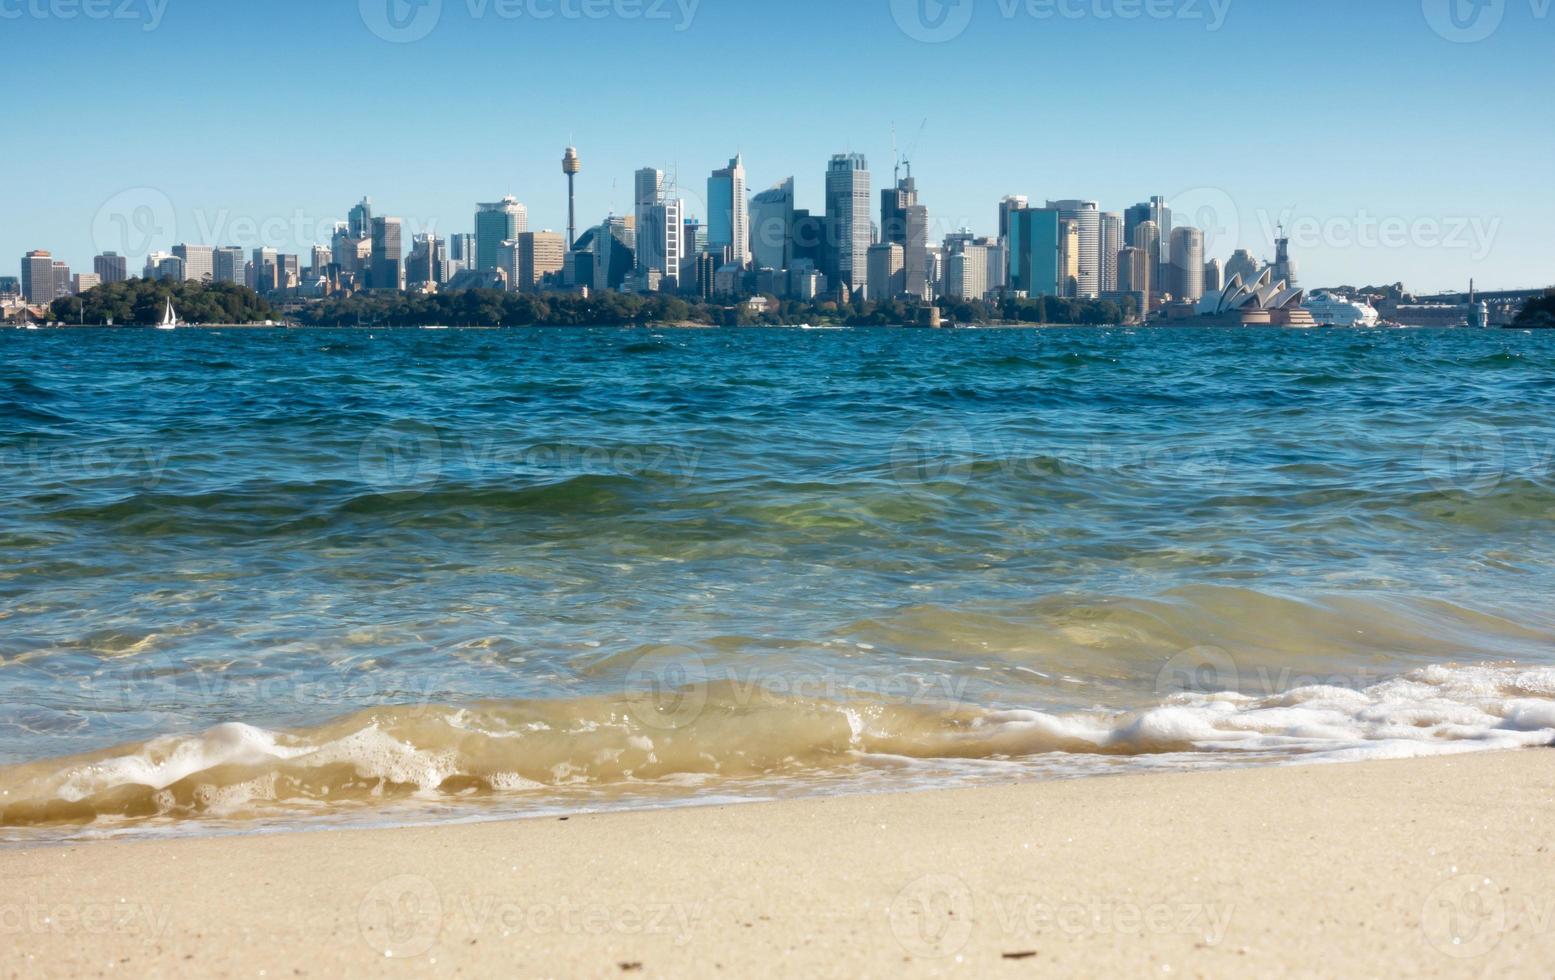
point(1396, 140)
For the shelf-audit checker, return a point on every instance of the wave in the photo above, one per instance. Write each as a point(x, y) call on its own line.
point(725, 732)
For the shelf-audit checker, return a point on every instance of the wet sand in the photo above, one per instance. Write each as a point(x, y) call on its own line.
point(1431, 867)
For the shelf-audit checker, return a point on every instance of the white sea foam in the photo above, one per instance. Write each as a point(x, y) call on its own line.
point(428, 753)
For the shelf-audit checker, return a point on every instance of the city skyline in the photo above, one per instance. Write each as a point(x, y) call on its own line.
point(1390, 190)
point(137, 222)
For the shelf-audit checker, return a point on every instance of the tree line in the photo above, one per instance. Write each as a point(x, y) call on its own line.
point(142, 302)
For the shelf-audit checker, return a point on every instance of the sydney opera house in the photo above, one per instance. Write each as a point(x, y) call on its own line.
point(1263, 302)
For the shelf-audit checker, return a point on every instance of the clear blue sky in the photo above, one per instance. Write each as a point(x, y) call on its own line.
point(1398, 151)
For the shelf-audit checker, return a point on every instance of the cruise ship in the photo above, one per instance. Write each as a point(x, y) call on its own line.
point(1329, 310)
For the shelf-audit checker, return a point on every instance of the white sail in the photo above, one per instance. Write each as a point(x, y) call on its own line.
point(169, 318)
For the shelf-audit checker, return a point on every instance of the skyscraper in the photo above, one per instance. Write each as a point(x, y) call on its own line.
point(288, 271)
point(1069, 252)
point(360, 221)
point(660, 228)
point(199, 262)
point(572, 166)
point(1132, 218)
point(461, 248)
point(38, 278)
point(111, 267)
point(62, 279)
point(1112, 243)
point(1147, 238)
point(887, 270)
point(265, 277)
point(322, 257)
point(728, 216)
point(1086, 216)
point(495, 223)
point(847, 223)
point(772, 226)
point(1242, 264)
point(967, 269)
point(164, 267)
point(388, 269)
point(1134, 265)
point(1034, 251)
point(1188, 264)
point(1161, 214)
point(227, 266)
point(540, 254)
point(1014, 202)
point(905, 222)
point(1214, 280)
point(424, 265)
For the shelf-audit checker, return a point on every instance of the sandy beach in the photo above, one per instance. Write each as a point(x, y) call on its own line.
point(1434, 867)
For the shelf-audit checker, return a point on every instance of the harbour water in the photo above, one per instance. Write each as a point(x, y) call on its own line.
point(273, 578)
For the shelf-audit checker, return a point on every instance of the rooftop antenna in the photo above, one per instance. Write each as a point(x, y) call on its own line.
point(913, 146)
point(896, 174)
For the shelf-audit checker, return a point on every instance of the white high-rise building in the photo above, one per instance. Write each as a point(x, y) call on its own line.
point(1086, 216)
point(1161, 214)
point(1111, 244)
point(848, 228)
point(967, 271)
point(199, 262)
point(728, 214)
point(660, 228)
point(887, 269)
point(1188, 264)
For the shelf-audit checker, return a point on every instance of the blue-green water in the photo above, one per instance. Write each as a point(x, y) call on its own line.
point(275, 573)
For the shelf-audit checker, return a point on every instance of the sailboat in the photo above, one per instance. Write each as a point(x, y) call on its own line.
point(169, 318)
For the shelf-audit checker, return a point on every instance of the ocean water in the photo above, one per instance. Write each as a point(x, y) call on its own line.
point(269, 578)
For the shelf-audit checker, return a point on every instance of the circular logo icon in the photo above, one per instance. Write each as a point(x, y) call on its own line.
point(1465, 458)
point(135, 222)
point(401, 21)
point(1212, 211)
point(401, 917)
point(402, 457)
point(935, 457)
point(667, 694)
point(138, 687)
point(1200, 670)
point(1464, 21)
point(933, 916)
point(933, 21)
point(1465, 918)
